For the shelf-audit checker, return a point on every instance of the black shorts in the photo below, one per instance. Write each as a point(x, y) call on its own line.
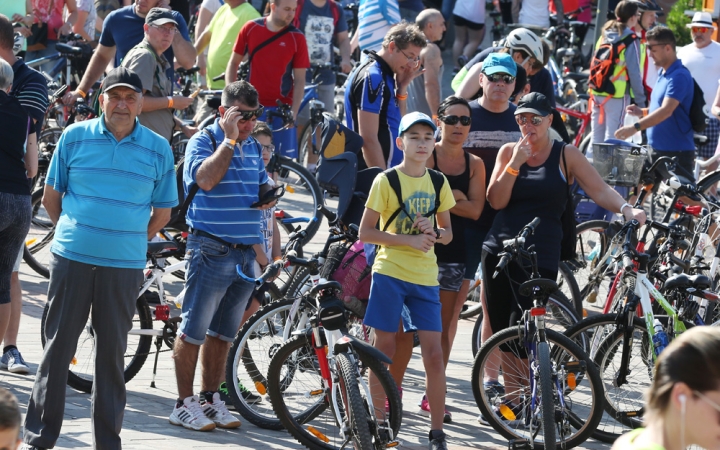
point(686, 160)
point(462, 22)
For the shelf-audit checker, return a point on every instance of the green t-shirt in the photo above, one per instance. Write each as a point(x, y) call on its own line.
point(225, 27)
point(627, 442)
point(9, 8)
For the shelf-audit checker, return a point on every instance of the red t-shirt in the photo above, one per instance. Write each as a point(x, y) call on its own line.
point(272, 66)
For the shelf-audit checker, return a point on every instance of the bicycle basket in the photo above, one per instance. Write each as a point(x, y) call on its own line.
point(347, 265)
point(619, 164)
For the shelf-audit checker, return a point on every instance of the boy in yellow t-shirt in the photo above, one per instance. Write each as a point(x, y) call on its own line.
point(405, 270)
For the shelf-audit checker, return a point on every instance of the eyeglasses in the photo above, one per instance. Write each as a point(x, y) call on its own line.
point(268, 148)
point(497, 77)
point(700, 29)
point(453, 120)
point(535, 120)
point(412, 61)
point(248, 115)
point(165, 30)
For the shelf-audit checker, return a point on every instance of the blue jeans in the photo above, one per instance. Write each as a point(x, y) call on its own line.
point(215, 296)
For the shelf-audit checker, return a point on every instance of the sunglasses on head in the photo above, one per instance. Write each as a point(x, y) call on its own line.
point(497, 77)
point(453, 120)
point(249, 115)
point(535, 120)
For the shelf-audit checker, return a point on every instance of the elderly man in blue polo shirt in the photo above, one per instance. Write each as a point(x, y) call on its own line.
point(670, 132)
point(110, 186)
point(229, 171)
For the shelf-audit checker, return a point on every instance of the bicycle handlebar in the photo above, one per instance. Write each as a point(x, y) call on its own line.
point(271, 271)
point(628, 250)
point(510, 246)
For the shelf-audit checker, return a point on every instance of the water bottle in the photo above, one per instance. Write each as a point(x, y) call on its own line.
point(660, 339)
point(631, 120)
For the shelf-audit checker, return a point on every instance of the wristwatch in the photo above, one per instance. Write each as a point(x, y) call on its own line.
point(437, 233)
point(636, 125)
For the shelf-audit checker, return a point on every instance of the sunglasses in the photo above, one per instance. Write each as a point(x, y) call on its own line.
point(268, 148)
point(249, 115)
point(535, 120)
point(497, 77)
point(453, 120)
point(700, 29)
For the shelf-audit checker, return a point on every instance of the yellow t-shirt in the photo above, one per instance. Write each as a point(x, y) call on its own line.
point(225, 27)
point(403, 262)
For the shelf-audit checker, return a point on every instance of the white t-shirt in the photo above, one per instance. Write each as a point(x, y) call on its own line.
point(535, 12)
point(704, 66)
point(267, 230)
point(472, 10)
point(212, 5)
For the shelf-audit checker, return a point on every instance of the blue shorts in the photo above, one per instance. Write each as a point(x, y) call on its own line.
point(215, 296)
point(285, 141)
point(387, 297)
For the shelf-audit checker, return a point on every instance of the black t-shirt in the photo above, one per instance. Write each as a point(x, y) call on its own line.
point(489, 131)
point(13, 134)
point(542, 82)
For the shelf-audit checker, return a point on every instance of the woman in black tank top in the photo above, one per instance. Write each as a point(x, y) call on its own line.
point(529, 181)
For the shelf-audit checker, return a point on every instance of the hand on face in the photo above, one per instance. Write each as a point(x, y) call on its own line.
point(521, 152)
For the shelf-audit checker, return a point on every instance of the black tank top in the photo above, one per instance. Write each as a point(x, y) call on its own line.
point(538, 192)
point(454, 252)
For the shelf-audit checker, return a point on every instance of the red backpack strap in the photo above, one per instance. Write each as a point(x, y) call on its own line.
point(296, 20)
point(335, 8)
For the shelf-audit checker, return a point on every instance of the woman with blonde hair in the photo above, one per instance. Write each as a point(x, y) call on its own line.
point(682, 407)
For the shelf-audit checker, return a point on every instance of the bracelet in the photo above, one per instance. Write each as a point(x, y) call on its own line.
point(512, 171)
point(82, 93)
point(645, 112)
point(623, 207)
point(228, 145)
point(434, 116)
point(231, 141)
point(170, 102)
point(277, 258)
point(401, 96)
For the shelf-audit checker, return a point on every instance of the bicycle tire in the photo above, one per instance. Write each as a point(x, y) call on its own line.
point(558, 305)
point(303, 183)
point(546, 395)
point(473, 303)
point(584, 403)
point(568, 285)
point(245, 365)
point(305, 144)
point(585, 143)
point(84, 383)
point(317, 435)
point(355, 411)
point(300, 278)
point(592, 243)
point(41, 234)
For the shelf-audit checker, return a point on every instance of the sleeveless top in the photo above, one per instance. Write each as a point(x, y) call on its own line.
point(416, 93)
point(454, 252)
point(538, 192)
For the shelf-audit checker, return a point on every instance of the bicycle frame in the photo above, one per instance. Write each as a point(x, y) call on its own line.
point(584, 118)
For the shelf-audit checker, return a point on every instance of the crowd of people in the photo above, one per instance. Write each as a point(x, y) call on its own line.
point(498, 142)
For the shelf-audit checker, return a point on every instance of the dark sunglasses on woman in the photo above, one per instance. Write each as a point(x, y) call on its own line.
point(453, 120)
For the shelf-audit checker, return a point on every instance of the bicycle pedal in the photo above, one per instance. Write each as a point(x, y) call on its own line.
point(519, 444)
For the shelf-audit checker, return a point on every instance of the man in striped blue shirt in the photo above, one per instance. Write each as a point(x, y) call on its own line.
point(110, 186)
point(227, 166)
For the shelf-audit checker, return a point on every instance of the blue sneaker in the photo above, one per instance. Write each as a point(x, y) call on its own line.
point(12, 361)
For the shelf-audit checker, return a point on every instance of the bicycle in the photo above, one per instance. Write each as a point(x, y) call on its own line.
point(549, 385)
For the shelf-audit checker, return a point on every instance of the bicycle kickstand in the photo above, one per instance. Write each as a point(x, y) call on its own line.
point(158, 346)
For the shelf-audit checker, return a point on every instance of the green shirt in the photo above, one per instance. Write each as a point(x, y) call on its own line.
point(628, 441)
point(225, 27)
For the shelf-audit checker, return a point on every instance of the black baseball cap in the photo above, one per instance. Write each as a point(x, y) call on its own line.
point(535, 103)
point(159, 16)
point(121, 76)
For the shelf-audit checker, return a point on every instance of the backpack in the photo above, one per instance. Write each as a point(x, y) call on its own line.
point(698, 118)
point(603, 65)
point(334, 8)
point(179, 212)
point(354, 275)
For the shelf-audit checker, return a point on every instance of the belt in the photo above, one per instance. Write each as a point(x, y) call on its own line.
point(202, 233)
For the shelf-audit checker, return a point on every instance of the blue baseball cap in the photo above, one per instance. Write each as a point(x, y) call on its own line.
point(412, 118)
point(499, 63)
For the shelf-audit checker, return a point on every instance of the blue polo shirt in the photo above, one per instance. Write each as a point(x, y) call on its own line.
point(109, 188)
point(123, 29)
point(674, 133)
point(224, 211)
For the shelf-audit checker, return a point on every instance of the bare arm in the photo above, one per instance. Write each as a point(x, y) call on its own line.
point(232, 68)
point(99, 61)
point(371, 235)
point(298, 90)
point(79, 27)
point(471, 83)
point(52, 201)
point(716, 104)
point(202, 42)
point(276, 243)
point(472, 205)
point(559, 10)
point(72, 18)
point(664, 112)
point(31, 155)
point(213, 169)
point(344, 46)
point(432, 60)
point(354, 42)
point(184, 51)
point(501, 182)
point(204, 17)
point(159, 217)
point(368, 125)
point(444, 228)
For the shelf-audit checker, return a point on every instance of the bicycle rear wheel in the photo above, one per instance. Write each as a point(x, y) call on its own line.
point(303, 195)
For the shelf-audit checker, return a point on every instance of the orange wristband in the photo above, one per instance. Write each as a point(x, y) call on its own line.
point(401, 97)
point(644, 112)
point(82, 93)
point(512, 171)
point(170, 102)
point(277, 258)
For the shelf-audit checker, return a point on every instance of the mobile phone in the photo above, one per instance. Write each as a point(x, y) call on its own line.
point(270, 196)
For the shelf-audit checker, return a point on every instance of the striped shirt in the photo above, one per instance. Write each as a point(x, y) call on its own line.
point(224, 211)
point(30, 88)
point(109, 188)
point(375, 17)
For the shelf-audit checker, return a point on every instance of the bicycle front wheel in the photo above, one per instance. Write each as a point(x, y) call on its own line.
point(303, 195)
point(508, 408)
point(356, 416)
point(547, 401)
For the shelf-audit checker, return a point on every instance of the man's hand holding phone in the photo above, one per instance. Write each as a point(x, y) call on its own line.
point(229, 122)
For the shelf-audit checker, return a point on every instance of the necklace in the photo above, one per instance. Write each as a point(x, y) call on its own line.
point(532, 155)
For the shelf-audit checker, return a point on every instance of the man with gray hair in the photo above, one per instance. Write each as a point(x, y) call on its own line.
point(425, 92)
point(110, 187)
point(226, 163)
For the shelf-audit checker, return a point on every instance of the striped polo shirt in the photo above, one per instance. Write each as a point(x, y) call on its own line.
point(109, 188)
point(225, 210)
point(375, 19)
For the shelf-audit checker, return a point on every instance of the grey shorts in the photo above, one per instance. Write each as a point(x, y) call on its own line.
point(450, 276)
point(18, 260)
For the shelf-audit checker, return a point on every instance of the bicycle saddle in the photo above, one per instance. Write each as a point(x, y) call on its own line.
point(329, 284)
point(545, 287)
point(157, 248)
point(213, 102)
point(683, 281)
point(69, 49)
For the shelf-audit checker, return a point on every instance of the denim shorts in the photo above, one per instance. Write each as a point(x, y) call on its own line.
point(215, 296)
point(387, 297)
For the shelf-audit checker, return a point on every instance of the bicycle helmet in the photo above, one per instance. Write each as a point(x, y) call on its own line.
point(18, 43)
point(525, 40)
point(648, 5)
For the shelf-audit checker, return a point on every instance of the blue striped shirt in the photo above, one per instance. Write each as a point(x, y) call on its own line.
point(109, 188)
point(375, 17)
point(225, 210)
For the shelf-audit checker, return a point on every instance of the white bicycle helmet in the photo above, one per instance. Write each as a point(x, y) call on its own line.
point(525, 40)
point(18, 43)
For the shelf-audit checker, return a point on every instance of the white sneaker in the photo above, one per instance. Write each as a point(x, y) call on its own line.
point(219, 414)
point(190, 415)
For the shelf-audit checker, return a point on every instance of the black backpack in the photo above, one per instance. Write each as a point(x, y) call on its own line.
point(179, 212)
point(437, 180)
point(698, 118)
